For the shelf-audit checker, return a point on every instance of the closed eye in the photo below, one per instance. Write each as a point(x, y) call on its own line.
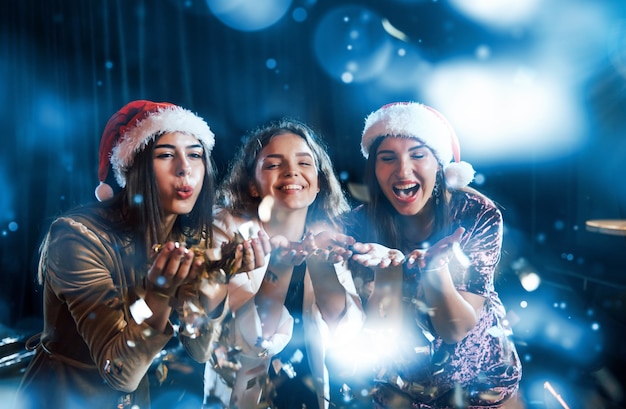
point(385, 158)
point(271, 165)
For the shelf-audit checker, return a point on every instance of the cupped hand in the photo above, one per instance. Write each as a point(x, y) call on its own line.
point(438, 255)
point(327, 246)
point(287, 252)
point(250, 255)
point(376, 255)
point(173, 266)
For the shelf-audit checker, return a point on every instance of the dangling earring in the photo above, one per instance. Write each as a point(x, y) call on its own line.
point(436, 192)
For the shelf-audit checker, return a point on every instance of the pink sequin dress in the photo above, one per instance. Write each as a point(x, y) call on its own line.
point(483, 369)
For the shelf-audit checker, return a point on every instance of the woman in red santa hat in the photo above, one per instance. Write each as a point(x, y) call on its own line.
point(108, 294)
point(437, 331)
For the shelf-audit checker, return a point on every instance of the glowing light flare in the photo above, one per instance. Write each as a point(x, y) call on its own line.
point(504, 113)
point(530, 280)
point(501, 14)
point(527, 274)
point(372, 348)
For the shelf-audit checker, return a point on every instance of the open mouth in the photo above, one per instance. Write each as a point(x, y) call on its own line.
point(291, 187)
point(406, 190)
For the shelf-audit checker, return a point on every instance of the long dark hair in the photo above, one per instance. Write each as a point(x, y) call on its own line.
point(136, 210)
point(383, 217)
point(142, 203)
point(234, 193)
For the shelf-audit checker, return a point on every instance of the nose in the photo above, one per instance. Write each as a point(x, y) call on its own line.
point(183, 167)
point(291, 170)
point(404, 168)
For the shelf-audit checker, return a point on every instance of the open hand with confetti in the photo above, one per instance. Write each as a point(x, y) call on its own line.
point(173, 265)
point(376, 255)
point(439, 254)
point(241, 254)
point(328, 246)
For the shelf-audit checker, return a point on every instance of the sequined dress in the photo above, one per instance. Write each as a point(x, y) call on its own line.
point(483, 369)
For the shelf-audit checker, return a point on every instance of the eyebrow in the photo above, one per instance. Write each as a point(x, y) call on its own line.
point(279, 155)
point(170, 146)
point(413, 148)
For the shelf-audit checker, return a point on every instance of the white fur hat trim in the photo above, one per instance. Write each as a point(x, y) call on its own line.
point(414, 120)
point(164, 120)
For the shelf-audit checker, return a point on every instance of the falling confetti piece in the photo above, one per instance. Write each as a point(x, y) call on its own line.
point(140, 311)
point(265, 209)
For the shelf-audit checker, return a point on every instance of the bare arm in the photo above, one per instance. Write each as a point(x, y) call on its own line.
point(384, 306)
point(454, 312)
point(270, 298)
point(325, 249)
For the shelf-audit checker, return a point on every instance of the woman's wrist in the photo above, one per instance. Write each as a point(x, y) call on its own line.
point(160, 294)
point(157, 292)
point(434, 269)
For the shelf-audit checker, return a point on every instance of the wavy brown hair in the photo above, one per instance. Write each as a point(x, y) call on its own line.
point(235, 195)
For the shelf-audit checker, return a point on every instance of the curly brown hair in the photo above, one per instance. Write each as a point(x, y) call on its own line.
point(235, 195)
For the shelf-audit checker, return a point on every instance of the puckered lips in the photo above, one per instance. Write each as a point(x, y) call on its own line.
point(406, 191)
point(184, 192)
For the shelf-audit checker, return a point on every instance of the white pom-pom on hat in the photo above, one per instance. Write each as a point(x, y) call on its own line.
point(136, 124)
point(458, 174)
point(419, 121)
point(104, 192)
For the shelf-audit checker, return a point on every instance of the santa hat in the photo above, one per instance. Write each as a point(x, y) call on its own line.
point(135, 125)
point(414, 120)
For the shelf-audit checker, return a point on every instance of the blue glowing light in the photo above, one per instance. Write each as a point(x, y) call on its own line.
point(249, 15)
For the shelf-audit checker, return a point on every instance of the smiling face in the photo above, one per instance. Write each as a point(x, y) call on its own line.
point(286, 170)
point(179, 168)
point(406, 171)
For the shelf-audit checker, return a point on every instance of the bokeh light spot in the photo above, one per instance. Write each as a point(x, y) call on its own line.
point(271, 63)
point(299, 14)
point(249, 15)
point(351, 45)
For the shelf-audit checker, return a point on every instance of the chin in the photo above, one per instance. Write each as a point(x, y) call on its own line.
point(408, 210)
point(181, 210)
